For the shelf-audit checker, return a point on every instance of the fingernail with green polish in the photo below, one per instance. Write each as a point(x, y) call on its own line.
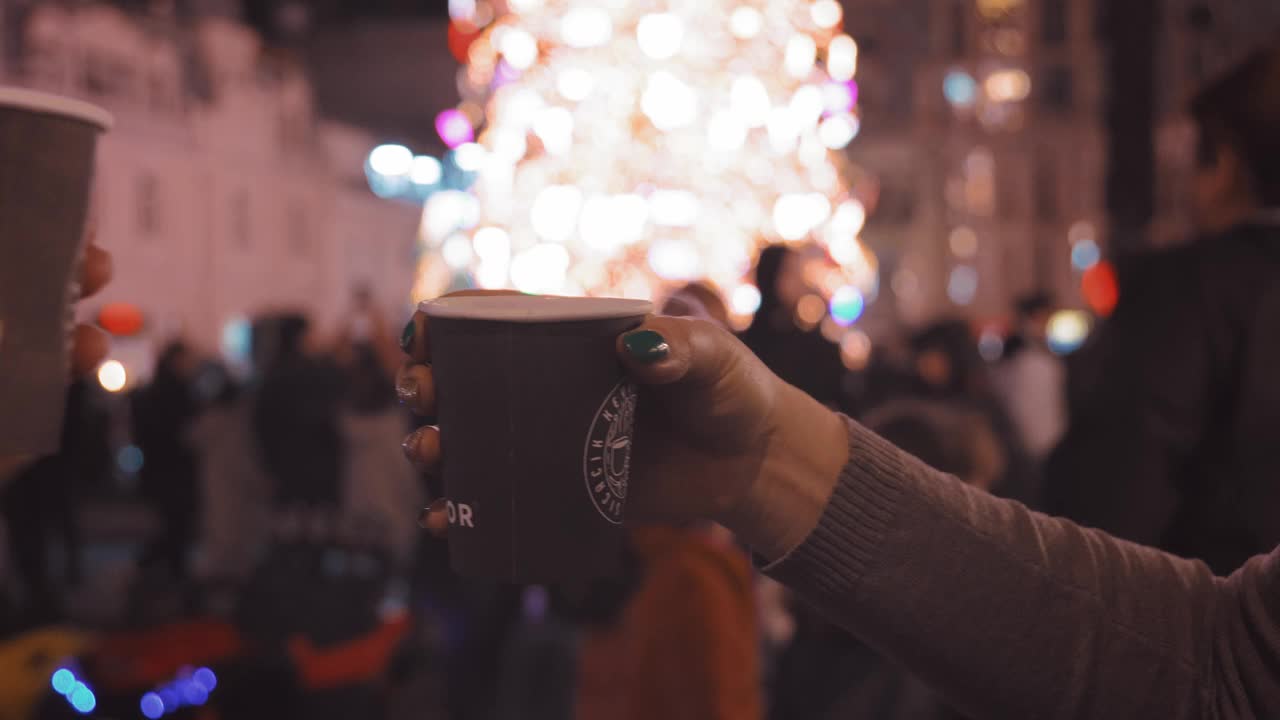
point(646, 346)
point(406, 336)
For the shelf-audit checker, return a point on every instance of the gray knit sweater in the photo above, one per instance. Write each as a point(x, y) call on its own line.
point(1011, 614)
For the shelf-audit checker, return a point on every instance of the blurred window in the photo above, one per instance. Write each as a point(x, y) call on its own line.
point(1010, 187)
point(1045, 187)
point(897, 202)
point(147, 190)
point(959, 29)
point(1053, 22)
point(106, 75)
point(1057, 88)
point(241, 230)
point(163, 93)
point(298, 232)
point(980, 182)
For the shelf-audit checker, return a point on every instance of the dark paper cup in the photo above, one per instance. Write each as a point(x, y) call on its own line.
point(535, 417)
point(47, 146)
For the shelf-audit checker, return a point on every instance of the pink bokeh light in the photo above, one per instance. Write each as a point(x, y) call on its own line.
point(454, 128)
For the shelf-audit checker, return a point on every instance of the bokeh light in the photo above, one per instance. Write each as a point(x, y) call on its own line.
point(62, 681)
point(842, 58)
point(660, 35)
point(1085, 254)
point(826, 14)
point(745, 299)
point(454, 128)
point(152, 706)
point(959, 88)
point(1067, 330)
point(170, 699)
point(855, 349)
point(846, 305)
point(129, 459)
point(425, 170)
point(990, 345)
point(585, 27)
point(1081, 231)
point(963, 242)
point(121, 319)
point(962, 285)
point(810, 311)
point(745, 23)
point(391, 160)
point(205, 678)
point(194, 694)
point(1099, 287)
point(905, 284)
point(82, 699)
point(1007, 85)
point(112, 376)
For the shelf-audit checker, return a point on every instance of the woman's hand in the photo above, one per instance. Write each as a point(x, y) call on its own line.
point(89, 344)
point(718, 436)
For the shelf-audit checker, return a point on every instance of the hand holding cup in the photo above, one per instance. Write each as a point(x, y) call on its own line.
point(717, 435)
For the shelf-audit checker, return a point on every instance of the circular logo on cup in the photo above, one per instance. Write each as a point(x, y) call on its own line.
point(606, 460)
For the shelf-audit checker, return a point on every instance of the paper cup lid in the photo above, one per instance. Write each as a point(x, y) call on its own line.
point(533, 308)
point(48, 104)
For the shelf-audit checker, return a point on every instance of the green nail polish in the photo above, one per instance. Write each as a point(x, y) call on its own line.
point(406, 336)
point(646, 346)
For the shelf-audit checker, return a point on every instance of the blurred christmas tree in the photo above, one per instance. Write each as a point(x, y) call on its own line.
point(619, 147)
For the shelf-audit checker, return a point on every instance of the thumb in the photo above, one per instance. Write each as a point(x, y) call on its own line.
point(667, 350)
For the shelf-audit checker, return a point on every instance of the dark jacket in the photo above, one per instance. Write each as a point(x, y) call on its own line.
point(1173, 432)
point(803, 358)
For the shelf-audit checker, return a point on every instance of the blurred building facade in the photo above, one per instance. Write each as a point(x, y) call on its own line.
point(983, 125)
point(220, 190)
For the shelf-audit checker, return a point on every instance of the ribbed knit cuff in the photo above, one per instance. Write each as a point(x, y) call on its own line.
point(844, 544)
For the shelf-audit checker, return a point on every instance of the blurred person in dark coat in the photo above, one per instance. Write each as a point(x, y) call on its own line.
point(801, 357)
point(296, 415)
point(40, 503)
point(1182, 411)
point(162, 414)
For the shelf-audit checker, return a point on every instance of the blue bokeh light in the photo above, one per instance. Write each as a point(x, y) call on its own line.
point(847, 305)
point(82, 699)
point(1085, 254)
point(63, 681)
point(170, 699)
point(237, 339)
point(152, 706)
point(129, 459)
point(962, 285)
point(194, 694)
point(960, 88)
point(205, 677)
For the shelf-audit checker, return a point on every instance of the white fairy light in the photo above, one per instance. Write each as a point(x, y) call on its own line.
point(745, 23)
point(659, 35)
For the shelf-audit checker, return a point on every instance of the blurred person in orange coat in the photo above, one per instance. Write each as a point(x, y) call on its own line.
point(686, 643)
